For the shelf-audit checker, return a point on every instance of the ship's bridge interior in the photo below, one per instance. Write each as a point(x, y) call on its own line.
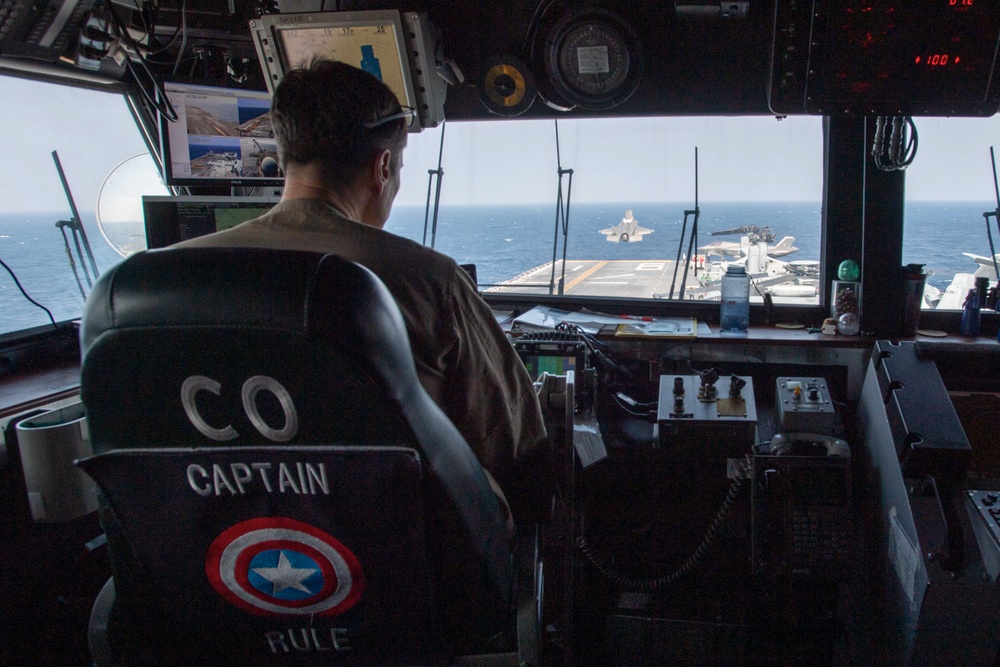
point(818, 485)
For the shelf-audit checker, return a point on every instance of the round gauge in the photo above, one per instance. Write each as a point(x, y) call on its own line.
point(507, 88)
point(593, 59)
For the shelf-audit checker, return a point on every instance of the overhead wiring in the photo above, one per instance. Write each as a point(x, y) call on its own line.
point(163, 47)
point(158, 99)
point(180, 52)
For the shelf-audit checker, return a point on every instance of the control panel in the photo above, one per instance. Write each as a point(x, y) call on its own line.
point(40, 30)
point(803, 405)
point(693, 410)
point(984, 511)
point(892, 57)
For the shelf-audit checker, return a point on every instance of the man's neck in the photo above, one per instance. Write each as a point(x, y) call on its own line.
point(303, 182)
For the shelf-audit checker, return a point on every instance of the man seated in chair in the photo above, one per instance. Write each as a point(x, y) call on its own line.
point(340, 135)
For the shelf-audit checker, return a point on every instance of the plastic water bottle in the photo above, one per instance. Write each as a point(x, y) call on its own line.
point(735, 315)
point(971, 324)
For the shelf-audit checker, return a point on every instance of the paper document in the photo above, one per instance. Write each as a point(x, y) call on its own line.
point(660, 327)
point(543, 318)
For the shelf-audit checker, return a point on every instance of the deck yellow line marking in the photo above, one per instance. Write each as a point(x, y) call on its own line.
point(583, 276)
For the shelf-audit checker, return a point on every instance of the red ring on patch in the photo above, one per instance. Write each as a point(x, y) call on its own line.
point(228, 559)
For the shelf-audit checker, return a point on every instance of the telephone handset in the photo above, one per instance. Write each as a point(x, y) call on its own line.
point(804, 444)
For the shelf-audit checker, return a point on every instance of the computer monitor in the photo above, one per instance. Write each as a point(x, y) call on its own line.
point(222, 136)
point(171, 220)
point(397, 48)
point(551, 352)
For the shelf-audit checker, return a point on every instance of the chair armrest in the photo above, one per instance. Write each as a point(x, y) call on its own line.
point(98, 638)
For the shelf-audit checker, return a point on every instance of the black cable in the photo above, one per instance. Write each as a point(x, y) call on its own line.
point(47, 311)
point(911, 148)
point(184, 36)
point(147, 34)
point(693, 561)
point(891, 133)
point(164, 107)
point(588, 339)
point(624, 405)
point(877, 142)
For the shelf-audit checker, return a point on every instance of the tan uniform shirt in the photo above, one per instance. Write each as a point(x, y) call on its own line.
point(463, 358)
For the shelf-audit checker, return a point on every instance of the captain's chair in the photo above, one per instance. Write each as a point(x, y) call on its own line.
point(277, 487)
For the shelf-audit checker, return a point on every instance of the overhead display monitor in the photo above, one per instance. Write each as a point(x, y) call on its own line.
point(372, 47)
point(222, 136)
point(395, 48)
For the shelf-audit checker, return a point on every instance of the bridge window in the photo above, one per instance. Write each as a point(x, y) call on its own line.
point(759, 180)
point(92, 132)
point(949, 186)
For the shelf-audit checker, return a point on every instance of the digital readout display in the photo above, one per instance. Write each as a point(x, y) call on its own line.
point(912, 51)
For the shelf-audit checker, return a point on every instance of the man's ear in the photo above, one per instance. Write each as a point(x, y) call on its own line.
point(382, 167)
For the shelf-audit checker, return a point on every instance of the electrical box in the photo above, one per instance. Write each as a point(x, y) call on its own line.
point(720, 421)
point(803, 405)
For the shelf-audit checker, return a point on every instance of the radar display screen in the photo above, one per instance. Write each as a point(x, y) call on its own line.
point(373, 48)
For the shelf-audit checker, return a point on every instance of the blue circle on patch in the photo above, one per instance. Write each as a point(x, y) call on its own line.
point(285, 574)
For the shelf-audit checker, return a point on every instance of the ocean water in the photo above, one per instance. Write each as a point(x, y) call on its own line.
point(504, 241)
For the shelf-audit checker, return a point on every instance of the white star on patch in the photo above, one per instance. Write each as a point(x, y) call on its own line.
point(285, 576)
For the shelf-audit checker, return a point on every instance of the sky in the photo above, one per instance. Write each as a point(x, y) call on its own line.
point(511, 161)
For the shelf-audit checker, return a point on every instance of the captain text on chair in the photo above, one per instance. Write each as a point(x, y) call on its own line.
point(278, 488)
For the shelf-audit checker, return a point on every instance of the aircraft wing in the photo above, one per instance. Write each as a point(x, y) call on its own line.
point(721, 247)
point(983, 260)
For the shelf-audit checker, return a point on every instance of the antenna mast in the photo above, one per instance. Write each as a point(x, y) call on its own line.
point(692, 243)
point(431, 173)
point(76, 227)
point(995, 214)
point(562, 219)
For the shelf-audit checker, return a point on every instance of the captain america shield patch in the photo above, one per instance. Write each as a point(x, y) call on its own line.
point(276, 565)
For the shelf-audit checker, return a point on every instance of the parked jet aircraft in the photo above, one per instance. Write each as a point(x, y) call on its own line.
point(739, 249)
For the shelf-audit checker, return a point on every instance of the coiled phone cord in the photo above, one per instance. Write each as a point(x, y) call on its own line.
point(693, 561)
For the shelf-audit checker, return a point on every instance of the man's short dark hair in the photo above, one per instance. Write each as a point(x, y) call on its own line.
point(319, 113)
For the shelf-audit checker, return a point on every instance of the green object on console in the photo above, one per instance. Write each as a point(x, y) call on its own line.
point(848, 270)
